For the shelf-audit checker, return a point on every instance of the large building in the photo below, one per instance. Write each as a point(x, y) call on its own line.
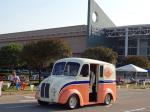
point(74, 36)
point(99, 31)
point(125, 40)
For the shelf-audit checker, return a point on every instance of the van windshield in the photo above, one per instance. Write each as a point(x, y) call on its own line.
point(59, 68)
point(68, 69)
point(71, 69)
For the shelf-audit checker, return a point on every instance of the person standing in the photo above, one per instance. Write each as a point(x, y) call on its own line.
point(1, 85)
point(15, 80)
point(92, 81)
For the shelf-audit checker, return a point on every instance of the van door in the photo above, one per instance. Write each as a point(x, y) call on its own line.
point(93, 84)
point(84, 76)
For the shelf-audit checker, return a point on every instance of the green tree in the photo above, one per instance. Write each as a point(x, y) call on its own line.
point(101, 53)
point(140, 61)
point(10, 55)
point(42, 52)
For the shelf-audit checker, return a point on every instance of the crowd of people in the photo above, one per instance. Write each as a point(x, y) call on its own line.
point(14, 81)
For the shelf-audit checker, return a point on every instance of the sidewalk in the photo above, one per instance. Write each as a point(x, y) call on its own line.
point(21, 97)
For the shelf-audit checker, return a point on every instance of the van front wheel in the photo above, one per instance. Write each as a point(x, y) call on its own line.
point(73, 102)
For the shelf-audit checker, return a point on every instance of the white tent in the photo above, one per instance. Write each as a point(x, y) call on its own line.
point(131, 68)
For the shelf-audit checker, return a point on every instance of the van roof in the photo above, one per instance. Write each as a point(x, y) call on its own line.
point(83, 60)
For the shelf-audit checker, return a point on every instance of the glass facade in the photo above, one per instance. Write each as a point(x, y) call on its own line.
point(134, 47)
point(144, 47)
point(126, 40)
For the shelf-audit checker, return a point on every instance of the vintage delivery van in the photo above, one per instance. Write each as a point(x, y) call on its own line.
point(78, 82)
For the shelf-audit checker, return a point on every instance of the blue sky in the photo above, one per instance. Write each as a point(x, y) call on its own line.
point(26, 15)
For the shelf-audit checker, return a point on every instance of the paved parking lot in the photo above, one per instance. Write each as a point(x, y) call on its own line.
point(128, 101)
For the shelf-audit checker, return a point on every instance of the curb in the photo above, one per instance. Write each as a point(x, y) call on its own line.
point(18, 92)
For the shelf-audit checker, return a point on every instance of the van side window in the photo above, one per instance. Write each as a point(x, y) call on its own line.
point(85, 70)
point(101, 71)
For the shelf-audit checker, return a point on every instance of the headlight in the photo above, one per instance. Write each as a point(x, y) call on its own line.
point(53, 91)
point(38, 88)
point(37, 94)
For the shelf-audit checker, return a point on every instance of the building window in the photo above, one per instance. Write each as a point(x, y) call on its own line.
point(148, 51)
point(121, 43)
point(148, 42)
point(144, 47)
point(132, 43)
point(132, 51)
point(121, 51)
point(143, 51)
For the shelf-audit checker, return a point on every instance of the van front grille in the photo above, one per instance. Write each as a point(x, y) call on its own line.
point(45, 90)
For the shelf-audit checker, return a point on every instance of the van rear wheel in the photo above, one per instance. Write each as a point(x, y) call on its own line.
point(73, 102)
point(108, 99)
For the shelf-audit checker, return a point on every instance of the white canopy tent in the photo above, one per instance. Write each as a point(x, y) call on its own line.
point(131, 68)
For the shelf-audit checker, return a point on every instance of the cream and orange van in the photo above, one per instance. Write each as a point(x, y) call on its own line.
point(78, 82)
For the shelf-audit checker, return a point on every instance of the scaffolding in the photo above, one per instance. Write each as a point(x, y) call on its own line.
point(133, 31)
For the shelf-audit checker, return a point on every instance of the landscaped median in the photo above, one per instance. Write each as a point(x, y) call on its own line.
point(32, 89)
point(17, 92)
point(12, 91)
point(134, 86)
